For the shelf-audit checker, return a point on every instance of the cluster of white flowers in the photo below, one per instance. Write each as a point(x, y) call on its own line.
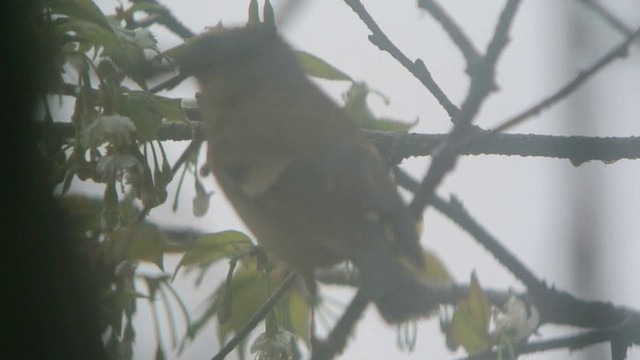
point(145, 39)
point(515, 318)
point(116, 129)
point(110, 165)
point(277, 346)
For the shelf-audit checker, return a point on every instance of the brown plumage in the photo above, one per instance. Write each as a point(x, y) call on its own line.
point(299, 171)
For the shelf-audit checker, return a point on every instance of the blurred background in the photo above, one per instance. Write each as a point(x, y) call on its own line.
point(576, 227)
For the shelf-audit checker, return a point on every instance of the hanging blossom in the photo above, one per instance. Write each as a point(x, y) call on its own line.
point(145, 39)
point(113, 166)
point(516, 319)
point(273, 347)
point(116, 129)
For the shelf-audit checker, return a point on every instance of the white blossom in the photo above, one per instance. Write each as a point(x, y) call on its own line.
point(515, 317)
point(116, 129)
point(144, 39)
point(113, 164)
point(273, 347)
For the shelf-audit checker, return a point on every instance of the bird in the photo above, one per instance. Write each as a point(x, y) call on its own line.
point(299, 171)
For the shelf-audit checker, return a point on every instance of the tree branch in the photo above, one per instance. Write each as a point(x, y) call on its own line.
point(262, 312)
point(615, 53)
point(398, 146)
point(482, 83)
point(555, 306)
point(417, 68)
point(608, 17)
point(456, 34)
point(454, 211)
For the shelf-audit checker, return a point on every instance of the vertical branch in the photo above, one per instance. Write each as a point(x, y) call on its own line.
point(417, 68)
point(456, 34)
point(482, 83)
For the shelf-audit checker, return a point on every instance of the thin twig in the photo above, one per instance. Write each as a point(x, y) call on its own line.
point(417, 68)
point(608, 17)
point(482, 83)
point(456, 34)
point(501, 34)
point(556, 306)
point(262, 312)
point(618, 51)
point(454, 211)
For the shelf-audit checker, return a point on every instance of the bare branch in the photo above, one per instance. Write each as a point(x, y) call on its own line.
point(456, 34)
point(398, 146)
point(417, 68)
point(618, 51)
point(262, 312)
point(482, 83)
point(501, 34)
point(609, 17)
point(577, 149)
point(456, 212)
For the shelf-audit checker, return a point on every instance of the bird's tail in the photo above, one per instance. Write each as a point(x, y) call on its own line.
point(389, 282)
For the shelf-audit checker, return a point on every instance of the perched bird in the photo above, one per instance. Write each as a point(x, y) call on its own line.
point(298, 170)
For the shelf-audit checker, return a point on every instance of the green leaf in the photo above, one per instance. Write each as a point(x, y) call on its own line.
point(146, 242)
point(85, 10)
point(147, 110)
point(316, 67)
point(130, 58)
point(435, 270)
point(470, 323)
point(210, 248)
point(226, 299)
point(249, 289)
point(170, 108)
point(296, 318)
point(356, 105)
point(90, 32)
